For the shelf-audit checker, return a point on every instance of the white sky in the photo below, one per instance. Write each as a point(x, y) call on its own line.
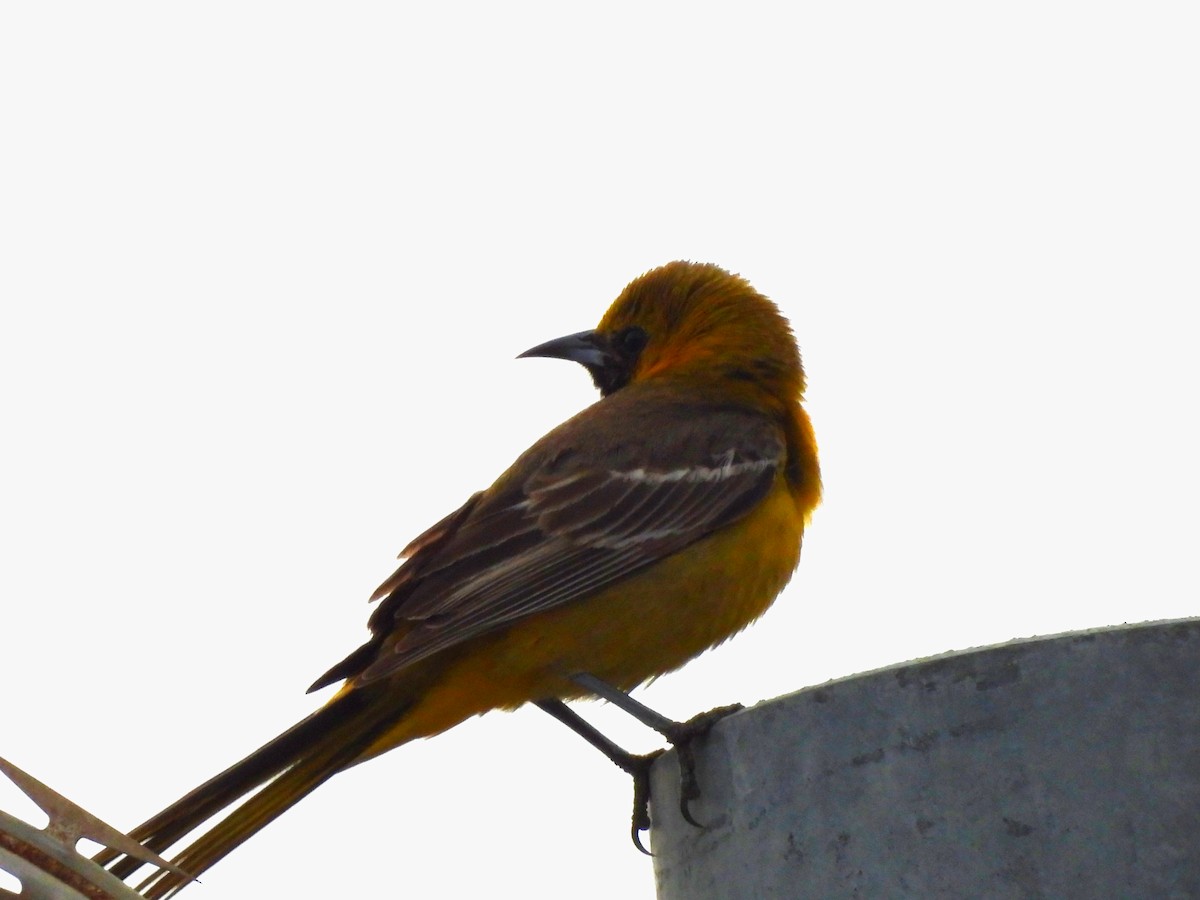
point(266, 267)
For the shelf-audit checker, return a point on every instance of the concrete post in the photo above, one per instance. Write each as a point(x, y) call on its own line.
point(1059, 767)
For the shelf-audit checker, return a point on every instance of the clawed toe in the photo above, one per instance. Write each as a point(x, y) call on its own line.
point(681, 736)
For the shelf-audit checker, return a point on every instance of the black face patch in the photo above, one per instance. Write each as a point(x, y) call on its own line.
point(621, 353)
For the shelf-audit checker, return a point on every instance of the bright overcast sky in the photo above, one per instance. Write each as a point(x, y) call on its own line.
point(266, 267)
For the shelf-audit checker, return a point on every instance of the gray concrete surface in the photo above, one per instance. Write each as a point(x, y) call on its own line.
point(1059, 767)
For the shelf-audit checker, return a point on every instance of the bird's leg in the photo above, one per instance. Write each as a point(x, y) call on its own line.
point(637, 766)
point(680, 734)
point(623, 701)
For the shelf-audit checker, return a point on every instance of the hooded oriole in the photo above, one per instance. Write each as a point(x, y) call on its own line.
point(649, 527)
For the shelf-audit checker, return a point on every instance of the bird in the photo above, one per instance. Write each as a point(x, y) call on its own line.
point(651, 526)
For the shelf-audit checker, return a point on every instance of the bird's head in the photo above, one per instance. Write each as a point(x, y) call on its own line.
point(691, 320)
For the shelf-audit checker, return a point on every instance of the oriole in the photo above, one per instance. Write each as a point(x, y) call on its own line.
point(649, 527)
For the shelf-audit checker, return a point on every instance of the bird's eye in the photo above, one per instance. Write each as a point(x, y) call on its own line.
point(630, 341)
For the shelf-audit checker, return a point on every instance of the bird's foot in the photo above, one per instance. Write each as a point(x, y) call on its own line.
point(682, 735)
point(638, 767)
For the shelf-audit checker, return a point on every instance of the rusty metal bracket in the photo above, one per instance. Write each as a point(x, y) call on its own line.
point(46, 861)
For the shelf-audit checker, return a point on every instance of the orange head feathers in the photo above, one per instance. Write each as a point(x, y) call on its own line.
point(688, 320)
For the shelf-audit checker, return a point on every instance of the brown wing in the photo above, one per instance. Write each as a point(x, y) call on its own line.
point(590, 504)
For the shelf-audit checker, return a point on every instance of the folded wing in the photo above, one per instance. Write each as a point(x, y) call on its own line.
point(582, 518)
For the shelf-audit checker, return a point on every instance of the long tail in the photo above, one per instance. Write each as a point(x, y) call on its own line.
point(291, 766)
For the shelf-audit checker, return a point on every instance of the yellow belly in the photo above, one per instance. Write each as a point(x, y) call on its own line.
point(644, 626)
